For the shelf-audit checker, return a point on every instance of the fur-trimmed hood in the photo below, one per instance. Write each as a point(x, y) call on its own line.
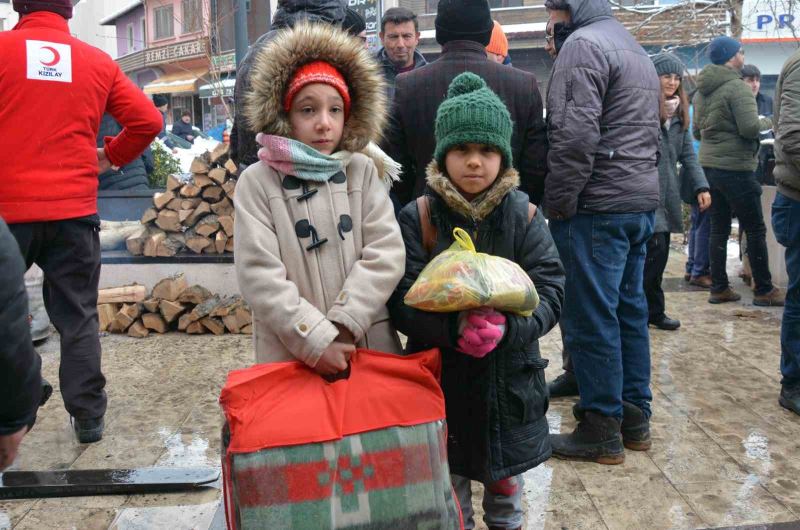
point(480, 207)
point(307, 42)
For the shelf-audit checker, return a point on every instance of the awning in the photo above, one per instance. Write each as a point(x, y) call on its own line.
point(222, 88)
point(178, 82)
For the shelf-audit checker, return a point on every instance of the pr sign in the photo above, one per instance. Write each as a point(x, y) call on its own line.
point(770, 21)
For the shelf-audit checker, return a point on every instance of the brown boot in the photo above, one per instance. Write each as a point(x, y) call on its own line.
point(701, 281)
point(687, 277)
point(773, 298)
point(728, 295)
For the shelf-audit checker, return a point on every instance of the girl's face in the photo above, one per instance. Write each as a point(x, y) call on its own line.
point(473, 168)
point(670, 84)
point(317, 117)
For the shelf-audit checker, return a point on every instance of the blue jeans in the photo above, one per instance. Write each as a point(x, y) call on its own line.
point(786, 224)
point(604, 316)
point(698, 263)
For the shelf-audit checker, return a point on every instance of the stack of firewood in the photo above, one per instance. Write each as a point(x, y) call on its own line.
point(195, 214)
point(172, 305)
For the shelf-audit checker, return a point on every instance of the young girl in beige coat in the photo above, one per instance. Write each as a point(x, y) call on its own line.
point(318, 249)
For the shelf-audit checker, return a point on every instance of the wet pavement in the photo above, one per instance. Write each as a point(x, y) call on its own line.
point(724, 453)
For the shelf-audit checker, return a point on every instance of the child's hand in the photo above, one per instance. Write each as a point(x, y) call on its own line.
point(481, 331)
point(335, 358)
point(344, 334)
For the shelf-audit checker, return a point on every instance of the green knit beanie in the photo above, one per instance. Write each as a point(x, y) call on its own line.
point(472, 113)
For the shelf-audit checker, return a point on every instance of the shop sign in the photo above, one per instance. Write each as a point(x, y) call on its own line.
point(183, 50)
point(371, 11)
point(224, 63)
point(770, 21)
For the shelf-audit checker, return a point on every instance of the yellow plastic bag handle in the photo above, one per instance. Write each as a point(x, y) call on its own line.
point(462, 238)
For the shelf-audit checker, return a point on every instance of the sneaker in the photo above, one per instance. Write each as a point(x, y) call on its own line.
point(790, 399)
point(596, 439)
point(565, 385)
point(701, 281)
point(47, 391)
point(89, 430)
point(635, 427)
point(666, 323)
point(728, 295)
point(773, 298)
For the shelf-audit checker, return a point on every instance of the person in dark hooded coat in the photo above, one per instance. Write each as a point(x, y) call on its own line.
point(132, 176)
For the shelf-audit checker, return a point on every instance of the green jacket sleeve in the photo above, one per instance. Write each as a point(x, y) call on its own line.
point(787, 130)
point(745, 111)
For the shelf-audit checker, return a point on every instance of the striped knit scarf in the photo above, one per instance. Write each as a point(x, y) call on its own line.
point(291, 157)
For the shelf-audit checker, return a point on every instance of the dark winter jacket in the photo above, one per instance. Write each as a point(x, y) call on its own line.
point(130, 177)
point(163, 134)
point(496, 406)
point(410, 137)
point(20, 365)
point(764, 104)
point(726, 120)
point(243, 147)
point(390, 70)
point(787, 128)
point(675, 187)
point(183, 130)
point(603, 119)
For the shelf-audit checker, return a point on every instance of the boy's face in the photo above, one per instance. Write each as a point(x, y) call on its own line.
point(317, 117)
point(473, 168)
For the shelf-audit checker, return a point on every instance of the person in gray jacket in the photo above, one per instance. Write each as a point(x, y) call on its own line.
point(600, 195)
point(690, 184)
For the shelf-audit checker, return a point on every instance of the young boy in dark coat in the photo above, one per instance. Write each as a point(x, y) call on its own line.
point(495, 391)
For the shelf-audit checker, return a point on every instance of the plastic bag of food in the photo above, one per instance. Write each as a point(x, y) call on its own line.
point(461, 278)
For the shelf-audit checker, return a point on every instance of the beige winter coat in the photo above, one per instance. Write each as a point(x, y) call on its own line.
point(297, 294)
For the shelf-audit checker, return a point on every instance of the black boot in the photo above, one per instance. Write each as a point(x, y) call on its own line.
point(635, 428)
point(565, 385)
point(596, 438)
point(89, 430)
point(666, 323)
point(790, 398)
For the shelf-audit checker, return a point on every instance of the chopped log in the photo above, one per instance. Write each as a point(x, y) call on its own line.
point(170, 288)
point(174, 204)
point(226, 222)
point(160, 200)
point(199, 165)
point(173, 244)
point(189, 191)
point(226, 306)
point(190, 204)
point(169, 221)
point(106, 313)
point(202, 209)
point(229, 188)
point(184, 321)
point(220, 240)
point(126, 316)
point(211, 249)
point(195, 242)
point(218, 153)
point(231, 166)
point(229, 245)
point(214, 325)
point(154, 322)
point(202, 181)
point(231, 323)
point(218, 175)
point(238, 318)
point(117, 295)
point(137, 330)
point(135, 244)
point(196, 294)
point(183, 215)
point(205, 309)
point(195, 328)
point(223, 207)
point(213, 193)
point(149, 216)
point(151, 305)
point(151, 243)
point(170, 310)
point(207, 225)
point(247, 330)
point(173, 183)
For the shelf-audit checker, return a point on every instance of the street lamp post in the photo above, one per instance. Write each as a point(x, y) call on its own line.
point(240, 28)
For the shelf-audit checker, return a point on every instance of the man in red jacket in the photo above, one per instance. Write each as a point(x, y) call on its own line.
point(55, 90)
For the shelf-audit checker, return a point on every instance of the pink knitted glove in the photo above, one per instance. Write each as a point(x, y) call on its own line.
point(480, 331)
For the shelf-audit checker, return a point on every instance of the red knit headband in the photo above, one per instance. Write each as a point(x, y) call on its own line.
point(317, 72)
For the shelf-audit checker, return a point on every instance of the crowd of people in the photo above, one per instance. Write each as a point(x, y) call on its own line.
point(330, 240)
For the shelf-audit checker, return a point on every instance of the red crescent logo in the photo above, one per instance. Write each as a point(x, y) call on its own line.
point(56, 56)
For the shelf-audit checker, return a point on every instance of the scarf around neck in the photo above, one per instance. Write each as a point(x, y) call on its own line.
point(291, 157)
point(671, 106)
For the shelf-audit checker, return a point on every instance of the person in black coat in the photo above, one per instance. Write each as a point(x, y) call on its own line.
point(495, 392)
point(130, 177)
point(20, 365)
point(183, 128)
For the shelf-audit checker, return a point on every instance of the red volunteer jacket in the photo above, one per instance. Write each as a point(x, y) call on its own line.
point(54, 90)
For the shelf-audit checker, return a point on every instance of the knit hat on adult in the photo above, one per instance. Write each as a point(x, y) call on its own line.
point(667, 63)
point(472, 113)
point(317, 72)
point(722, 49)
point(59, 7)
point(499, 43)
point(464, 20)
